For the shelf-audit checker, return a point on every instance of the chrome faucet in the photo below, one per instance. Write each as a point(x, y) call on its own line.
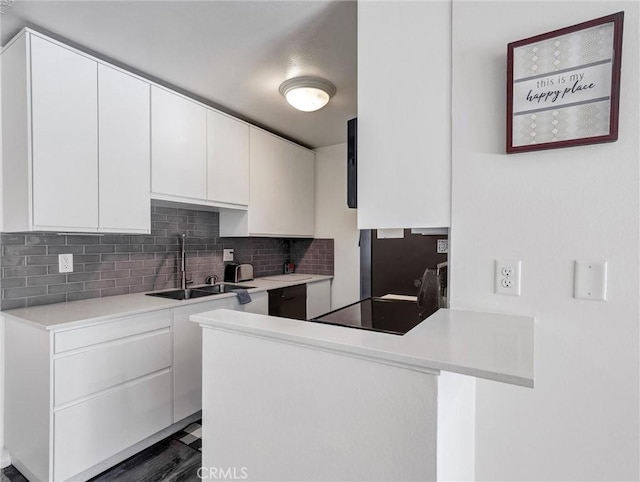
point(183, 263)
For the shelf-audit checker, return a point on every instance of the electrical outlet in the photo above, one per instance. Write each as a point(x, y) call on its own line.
point(227, 255)
point(65, 263)
point(507, 277)
point(443, 246)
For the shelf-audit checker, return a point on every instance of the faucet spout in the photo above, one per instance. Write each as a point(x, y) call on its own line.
point(183, 262)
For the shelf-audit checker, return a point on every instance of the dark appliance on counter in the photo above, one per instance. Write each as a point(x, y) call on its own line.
point(352, 163)
point(289, 302)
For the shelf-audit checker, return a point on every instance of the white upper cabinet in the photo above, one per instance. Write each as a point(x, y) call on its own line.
point(281, 190)
point(64, 106)
point(124, 152)
point(178, 147)
point(75, 141)
point(404, 131)
point(227, 160)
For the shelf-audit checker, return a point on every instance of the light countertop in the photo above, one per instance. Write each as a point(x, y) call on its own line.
point(486, 345)
point(85, 312)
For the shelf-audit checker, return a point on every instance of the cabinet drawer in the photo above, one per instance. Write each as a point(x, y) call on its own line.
point(120, 328)
point(90, 432)
point(105, 366)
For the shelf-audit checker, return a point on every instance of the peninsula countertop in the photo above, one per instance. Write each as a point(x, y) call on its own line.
point(85, 312)
point(497, 347)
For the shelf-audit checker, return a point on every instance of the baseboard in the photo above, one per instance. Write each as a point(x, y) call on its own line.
point(5, 459)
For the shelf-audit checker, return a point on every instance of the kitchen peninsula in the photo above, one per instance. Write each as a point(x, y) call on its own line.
point(310, 401)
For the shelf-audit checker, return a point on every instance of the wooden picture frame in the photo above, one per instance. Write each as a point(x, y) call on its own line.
point(563, 87)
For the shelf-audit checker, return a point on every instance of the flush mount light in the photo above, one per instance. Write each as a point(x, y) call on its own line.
point(307, 93)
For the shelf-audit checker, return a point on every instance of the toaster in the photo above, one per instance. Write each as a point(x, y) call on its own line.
point(234, 272)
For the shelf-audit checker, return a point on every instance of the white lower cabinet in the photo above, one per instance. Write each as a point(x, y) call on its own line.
point(187, 349)
point(87, 433)
point(79, 396)
point(318, 298)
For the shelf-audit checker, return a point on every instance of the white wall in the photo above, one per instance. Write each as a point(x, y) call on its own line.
point(335, 220)
point(548, 208)
point(4, 457)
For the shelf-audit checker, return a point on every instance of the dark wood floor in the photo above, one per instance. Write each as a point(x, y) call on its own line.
point(174, 459)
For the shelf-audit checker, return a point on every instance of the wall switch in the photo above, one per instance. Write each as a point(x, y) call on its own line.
point(65, 263)
point(443, 246)
point(590, 280)
point(507, 277)
point(227, 255)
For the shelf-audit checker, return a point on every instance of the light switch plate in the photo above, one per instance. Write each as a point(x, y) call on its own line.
point(590, 280)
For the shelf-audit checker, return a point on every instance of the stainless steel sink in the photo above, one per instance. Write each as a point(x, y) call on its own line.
point(222, 288)
point(198, 292)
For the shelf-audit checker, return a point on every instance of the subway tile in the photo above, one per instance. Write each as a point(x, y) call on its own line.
point(141, 288)
point(64, 249)
point(128, 248)
point(99, 266)
point(121, 290)
point(154, 279)
point(90, 276)
point(129, 281)
point(47, 299)
point(143, 272)
point(128, 264)
point(10, 293)
point(161, 218)
point(176, 219)
point(86, 258)
point(141, 256)
point(167, 226)
point(142, 240)
point(12, 239)
point(107, 283)
point(65, 288)
point(165, 210)
point(45, 239)
point(40, 260)
point(102, 248)
point(12, 304)
point(24, 271)
point(83, 295)
point(83, 239)
point(115, 257)
point(123, 273)
point(13, 282)
point(23, 250)
point(47, 280)
point(115, 240)
point(153, 248)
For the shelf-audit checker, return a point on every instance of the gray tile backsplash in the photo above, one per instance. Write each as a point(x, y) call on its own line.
point(107, 265)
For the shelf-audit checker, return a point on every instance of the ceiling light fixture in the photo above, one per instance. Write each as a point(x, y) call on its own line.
point(307, 93)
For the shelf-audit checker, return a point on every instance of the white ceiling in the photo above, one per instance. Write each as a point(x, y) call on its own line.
point(232, 54)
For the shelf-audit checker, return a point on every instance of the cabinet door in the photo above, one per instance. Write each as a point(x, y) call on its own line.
point(178, 146)
point(227, 159)
point(64, 103)
point(90, 432)
point(187, 357)
point(124, 153)
point(404, 139)
point(270, 183)
point(318, 298)
point(302, 216)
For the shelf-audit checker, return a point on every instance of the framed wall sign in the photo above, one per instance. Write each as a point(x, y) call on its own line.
point(563, 87)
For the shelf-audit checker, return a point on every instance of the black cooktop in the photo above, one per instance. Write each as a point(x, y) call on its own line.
point(377, 314)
